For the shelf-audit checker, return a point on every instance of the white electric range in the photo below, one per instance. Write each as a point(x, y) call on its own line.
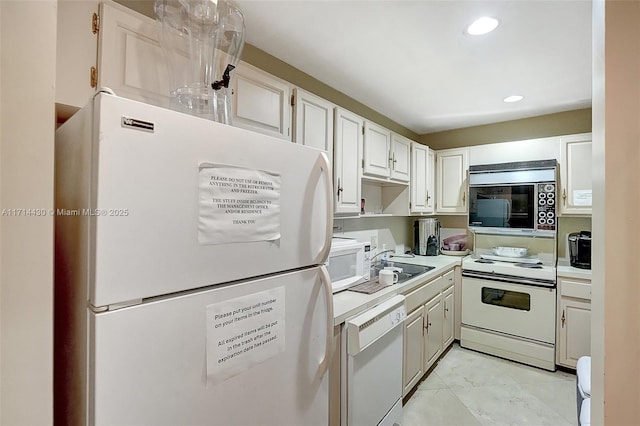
point(509, 308)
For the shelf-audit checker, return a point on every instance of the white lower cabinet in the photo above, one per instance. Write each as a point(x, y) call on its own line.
point(433, 321)
point(574, 321)
point(448, 315)
point(413, 361)
point(428, 328)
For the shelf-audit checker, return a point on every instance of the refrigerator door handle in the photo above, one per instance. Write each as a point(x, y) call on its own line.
point(325, 167)
point(328, 351)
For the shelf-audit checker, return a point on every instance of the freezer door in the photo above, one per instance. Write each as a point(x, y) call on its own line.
point(253, 353)
point(177, 202)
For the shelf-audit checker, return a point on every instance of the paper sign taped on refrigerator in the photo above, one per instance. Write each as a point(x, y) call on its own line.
point(237, 205)
point(243, 332)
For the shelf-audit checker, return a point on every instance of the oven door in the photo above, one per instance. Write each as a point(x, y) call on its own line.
point(521, 310)
point(502, 206)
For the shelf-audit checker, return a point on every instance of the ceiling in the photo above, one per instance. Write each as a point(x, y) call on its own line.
point(412, 62)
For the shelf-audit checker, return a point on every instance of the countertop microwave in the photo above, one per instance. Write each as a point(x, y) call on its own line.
point(349, 263)
point(515, 197)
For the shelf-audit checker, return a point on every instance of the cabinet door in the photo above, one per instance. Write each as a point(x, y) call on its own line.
point(346, 161)
point(76, 53)
point(130, 59)
point(449, 314)
point(431, 184)
point(574, 336)
point(261, 102)
point(377, 150)
point(422, 161)
point(452, 166)
point(313, 121)
point(400, 158)
point(413, 349)
point(575, 170)
point(434, 313)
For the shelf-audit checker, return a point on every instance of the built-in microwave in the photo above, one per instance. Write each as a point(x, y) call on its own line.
point(515, 197)
point(349, 263)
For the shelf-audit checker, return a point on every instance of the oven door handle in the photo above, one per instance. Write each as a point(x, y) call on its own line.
point(509, 279)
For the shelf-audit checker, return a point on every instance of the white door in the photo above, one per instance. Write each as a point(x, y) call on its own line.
point(400, 158)
point(520, 310)
point(452, 167)
point(130, 58)
point(449, 314)
point(413, 349)
point(377, 150)
point(433, 316)
point(575, 331)
point(253, 353)
point(162, 230)
point(346, 161)
point(313, 121)
point(260, 102)
point(575, 180)
point(422, 162)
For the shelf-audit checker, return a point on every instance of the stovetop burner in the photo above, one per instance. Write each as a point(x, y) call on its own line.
point(484, 261)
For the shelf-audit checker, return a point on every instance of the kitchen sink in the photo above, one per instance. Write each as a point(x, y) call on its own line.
point(407, 272)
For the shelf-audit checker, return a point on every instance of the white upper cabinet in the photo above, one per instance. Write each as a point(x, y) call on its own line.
point(400, 158)
point(130, 59)
point(346, 161)
point(422, 177)
point(76, 54)
point(377, 150)
point(261, 102)
point(575, 175)
point(386, 155)
point(312, 121)
point(452, 166)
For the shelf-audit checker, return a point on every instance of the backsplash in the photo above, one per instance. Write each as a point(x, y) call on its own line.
point(567, 225)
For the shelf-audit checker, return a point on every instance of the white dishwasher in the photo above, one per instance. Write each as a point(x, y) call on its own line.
point(372, 365)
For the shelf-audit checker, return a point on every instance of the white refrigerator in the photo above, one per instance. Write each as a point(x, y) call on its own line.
point(190, 287)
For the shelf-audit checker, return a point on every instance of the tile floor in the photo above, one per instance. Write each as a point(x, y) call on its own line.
point(471, 388)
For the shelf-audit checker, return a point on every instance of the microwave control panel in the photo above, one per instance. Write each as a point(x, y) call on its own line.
point(546, 219)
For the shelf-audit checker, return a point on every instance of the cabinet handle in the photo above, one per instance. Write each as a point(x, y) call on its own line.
point(464, 198)
point(340, 189)
point(564, 196)
point(426, 327)
point(428, 196)
point(563, 318)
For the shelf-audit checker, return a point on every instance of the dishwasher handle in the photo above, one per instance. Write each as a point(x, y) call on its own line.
point(371, 325)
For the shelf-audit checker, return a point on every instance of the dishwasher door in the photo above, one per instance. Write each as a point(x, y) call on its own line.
point(374, 365)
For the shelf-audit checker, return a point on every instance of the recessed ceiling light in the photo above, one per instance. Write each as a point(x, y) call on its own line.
point(482, 25)
point(513, 98)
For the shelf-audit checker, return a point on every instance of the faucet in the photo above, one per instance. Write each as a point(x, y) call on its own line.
point(379, 253)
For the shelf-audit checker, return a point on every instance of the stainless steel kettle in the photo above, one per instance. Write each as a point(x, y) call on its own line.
point(426, 237)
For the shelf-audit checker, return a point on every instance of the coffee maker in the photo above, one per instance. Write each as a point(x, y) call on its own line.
point(426, 237)
point(580, 249)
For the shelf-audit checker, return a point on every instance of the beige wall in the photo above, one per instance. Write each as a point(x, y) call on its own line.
point(562, 123)
point(615, 342)
point(28, 50)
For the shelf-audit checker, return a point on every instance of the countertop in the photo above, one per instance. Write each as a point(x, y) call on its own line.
point(349, 303)
point(565, 270)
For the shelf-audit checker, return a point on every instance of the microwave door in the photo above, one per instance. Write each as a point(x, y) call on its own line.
point(493, 212)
